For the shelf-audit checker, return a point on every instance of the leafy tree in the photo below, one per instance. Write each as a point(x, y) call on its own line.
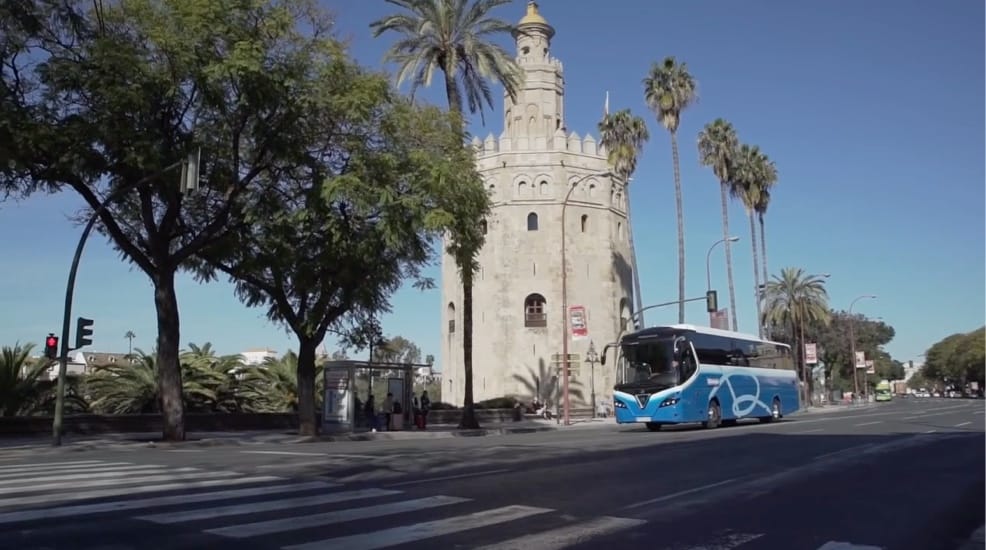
point(958, 358)
point(717, 145)
point(795, 299)
point(273, 385)
point(669, 89)
point(397, 350)
point(754, 175)
point(834, 344)
point(623, 134)
point(103, 98)
point(201, 367)
point(22, 381)
point(455, 37)
point(341, 226)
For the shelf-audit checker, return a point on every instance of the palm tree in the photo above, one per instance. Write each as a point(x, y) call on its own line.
point(454, 36)
point(130, 342)
point(793, 299)
point(761, 207)
point(717, 144)
point(22, 381)
point(669, 89)
point(273, 385)
point(755, 174)
point(623, 135)
point(125, 389)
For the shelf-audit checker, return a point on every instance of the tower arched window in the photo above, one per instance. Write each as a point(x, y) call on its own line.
point(522, 189)
point(450, 310)
point(532, 222)
point(535, 314)
point(585, 222)
point(544, 188)
point(483, 226)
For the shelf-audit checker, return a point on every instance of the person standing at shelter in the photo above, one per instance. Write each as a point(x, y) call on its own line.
point(388, 409)
point(421, 407)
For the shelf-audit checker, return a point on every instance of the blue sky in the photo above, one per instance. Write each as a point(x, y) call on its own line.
point(873, 112)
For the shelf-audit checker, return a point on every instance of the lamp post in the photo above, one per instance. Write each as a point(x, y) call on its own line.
point(189, 182)
point(592, 357)
point(708, 269)
point(564, 287)
point(852, 343)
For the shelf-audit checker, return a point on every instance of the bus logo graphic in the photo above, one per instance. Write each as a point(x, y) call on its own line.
point(643, 398)
point(712, 381)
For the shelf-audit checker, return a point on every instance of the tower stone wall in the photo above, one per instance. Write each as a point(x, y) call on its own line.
point(517, 295)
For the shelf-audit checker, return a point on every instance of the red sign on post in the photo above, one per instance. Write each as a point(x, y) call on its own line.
point(577, 322)
point(811, 354)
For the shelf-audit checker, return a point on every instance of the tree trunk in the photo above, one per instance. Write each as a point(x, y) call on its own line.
point(729, 254)
point(452, 94)
point(167, 362)
point(681, 228)
point(756, 275)
point(468, 421)
point(637, 298)
point(307, 424)
point(763, 250)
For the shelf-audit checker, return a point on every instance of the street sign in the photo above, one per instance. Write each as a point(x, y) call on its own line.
point(860, 360)
point(811, 353)
point(870, 369)
point(559, 358)
point(577, 321)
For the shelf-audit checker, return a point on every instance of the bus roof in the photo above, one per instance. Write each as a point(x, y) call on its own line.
point(649, 331)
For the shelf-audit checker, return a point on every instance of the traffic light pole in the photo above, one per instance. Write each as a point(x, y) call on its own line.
point(56, 425)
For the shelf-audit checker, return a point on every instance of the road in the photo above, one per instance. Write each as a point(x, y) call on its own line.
point(906, 475)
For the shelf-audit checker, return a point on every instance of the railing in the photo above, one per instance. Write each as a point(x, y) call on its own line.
point(535, 319)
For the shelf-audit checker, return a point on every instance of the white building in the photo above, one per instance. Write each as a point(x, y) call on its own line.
point(517, 296)
point(257, 356)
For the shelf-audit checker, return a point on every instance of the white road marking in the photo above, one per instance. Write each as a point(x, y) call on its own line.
point(170, 500)
point(849, 450)
point(421, 531)
point(89, 472)
point(869, 423)
point(569, 535)
point(40, 465)
point(21, 501)
point(444, 478)
point(728, 541)
point(245, 530)
point(14, 479)
point(962, 424)
point(807, 431)
point(833, 545)
point(288, 453)
point(68, 467)
point(679, 494)
point(122, 479)
point(264, 506)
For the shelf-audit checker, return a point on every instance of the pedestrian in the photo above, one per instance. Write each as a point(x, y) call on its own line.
point(388, 408)
point(370, 412)
point(422, 405)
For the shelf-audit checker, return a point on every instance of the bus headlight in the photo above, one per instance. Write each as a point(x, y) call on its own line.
point(619, 404)
point(669, 402)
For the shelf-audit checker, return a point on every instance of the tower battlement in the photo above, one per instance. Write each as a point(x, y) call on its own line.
point(558, 142)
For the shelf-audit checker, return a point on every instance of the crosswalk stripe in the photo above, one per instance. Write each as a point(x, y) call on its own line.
point(74, 463)
point(337, 516)
point(419, 531)
point(88, 471)
point(157, 470)
point(120, 505)
point(265, 506)
point(39, 468)
point(21, 501)
point(566, 536)
point(120, 480)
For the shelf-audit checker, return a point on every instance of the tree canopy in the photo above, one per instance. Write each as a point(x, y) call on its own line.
point(957, 359)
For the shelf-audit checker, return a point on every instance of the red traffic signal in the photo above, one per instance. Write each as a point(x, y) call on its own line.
point(51, 346)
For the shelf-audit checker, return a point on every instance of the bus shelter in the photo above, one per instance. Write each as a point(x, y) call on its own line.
point(348, 385)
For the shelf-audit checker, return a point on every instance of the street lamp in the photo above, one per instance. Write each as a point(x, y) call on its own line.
point(591, 356)
point(189, 182)
point(708, 268)
point(564, 285)
point(852, 342)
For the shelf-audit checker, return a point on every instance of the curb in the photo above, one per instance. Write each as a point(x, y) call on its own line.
point(976, 541)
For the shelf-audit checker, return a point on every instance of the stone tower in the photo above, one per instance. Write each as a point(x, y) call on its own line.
point(517, 293)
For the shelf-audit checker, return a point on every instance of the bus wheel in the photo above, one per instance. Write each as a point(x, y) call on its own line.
point(653, 426)
point(714, 416)
point(775, 412)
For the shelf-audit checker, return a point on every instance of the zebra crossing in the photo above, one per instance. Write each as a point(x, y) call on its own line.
point(276, 512)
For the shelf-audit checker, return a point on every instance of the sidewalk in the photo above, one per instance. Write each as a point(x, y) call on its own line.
point(835, 407)
point(72, 442)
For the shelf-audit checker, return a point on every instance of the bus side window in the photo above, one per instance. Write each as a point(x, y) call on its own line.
point(688, 365)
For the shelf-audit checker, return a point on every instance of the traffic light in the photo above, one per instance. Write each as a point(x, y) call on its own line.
point(83, 331)
point(711, 301)
point(51, 346)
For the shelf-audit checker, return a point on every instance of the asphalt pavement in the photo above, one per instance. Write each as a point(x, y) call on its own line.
point(905, 475)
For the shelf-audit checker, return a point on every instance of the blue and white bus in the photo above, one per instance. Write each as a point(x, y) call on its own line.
point(683, 373)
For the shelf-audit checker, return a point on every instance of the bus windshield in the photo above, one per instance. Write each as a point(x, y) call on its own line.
point(649, 362)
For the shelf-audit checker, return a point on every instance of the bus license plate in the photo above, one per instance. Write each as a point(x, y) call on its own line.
point(643, 419)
